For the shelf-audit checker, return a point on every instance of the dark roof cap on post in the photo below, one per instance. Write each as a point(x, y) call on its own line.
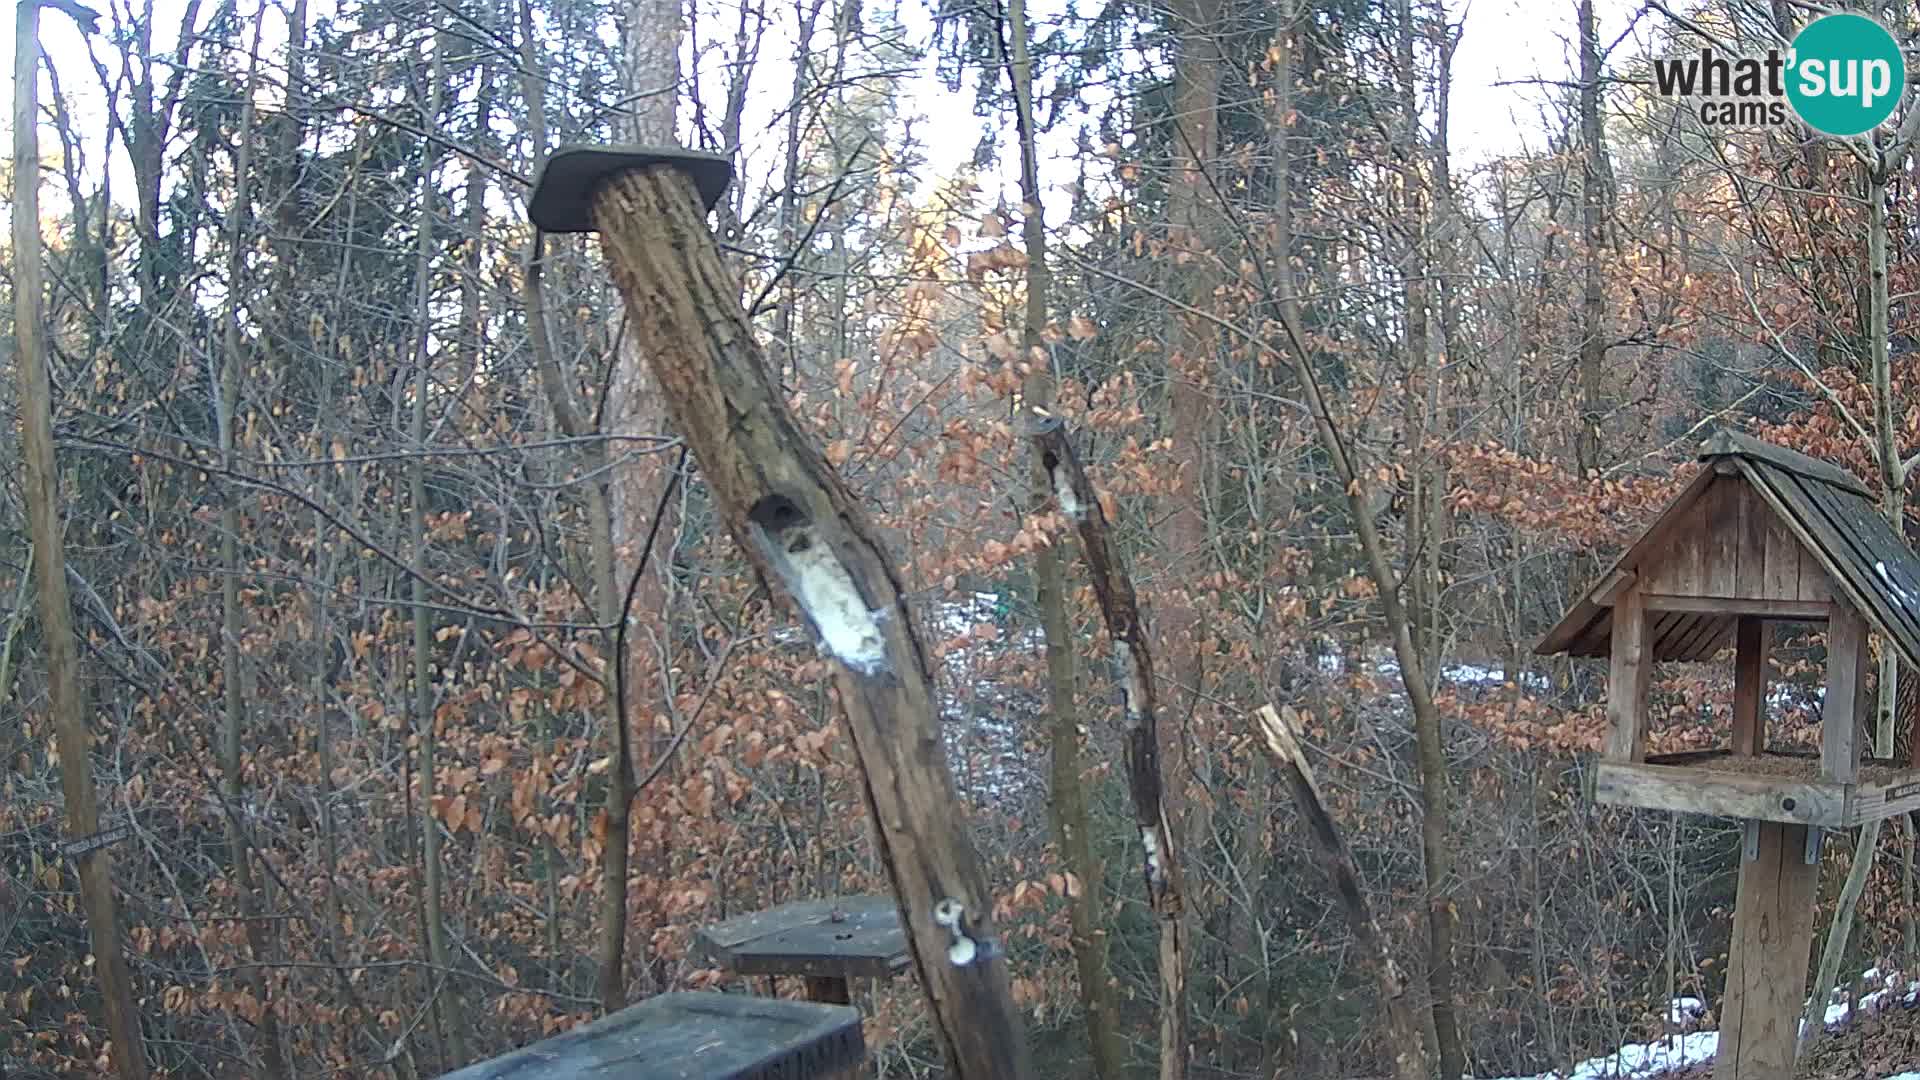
point(562, 198)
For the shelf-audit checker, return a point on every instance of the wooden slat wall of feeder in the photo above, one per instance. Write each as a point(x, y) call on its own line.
point(1760, 534)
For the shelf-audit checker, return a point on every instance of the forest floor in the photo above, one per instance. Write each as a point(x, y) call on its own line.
point(1882, 1043)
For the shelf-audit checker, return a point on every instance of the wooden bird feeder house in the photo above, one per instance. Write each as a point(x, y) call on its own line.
point(1761, 534)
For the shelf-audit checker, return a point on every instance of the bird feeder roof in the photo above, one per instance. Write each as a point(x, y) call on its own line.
point(1830, 516)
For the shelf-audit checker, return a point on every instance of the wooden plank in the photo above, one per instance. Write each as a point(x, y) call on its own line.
point(1800, 505)
point(831, 989)
point(1630, 667)
point(832, 938)
point(1688, 646)
point(1784, 552)
point(1581, 623)
point(1803, 610)
point(1898, 795)
point(1767, 958)
point(1700, 790)
point(679, 1035)
point(1719, 539)
point(746, 927)
point(1888, 564)
point(1579, 619)
point(1680, 566)
point(1667, 630)
point(1815, 584)
point(1841, 712)
point(1750, 686)
point(1688, 757)
point(1752, 517)
point(1608, 588)
point(1707, 646)
point(1595, 641)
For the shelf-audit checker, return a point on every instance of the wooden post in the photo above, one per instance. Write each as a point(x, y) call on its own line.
point(831, 989)
point(1628, 673)
point(799, 526)
point(1767, 958)
point(1750, 686)
point(1846, 689)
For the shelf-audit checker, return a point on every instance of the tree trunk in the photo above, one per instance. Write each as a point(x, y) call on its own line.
point(1594, 176)
point(1893, 474)
point(633, 407)
point(1069, 798)
point(41, 494)
point(1893, 482)
point(808, 14)
point(800, 527)
point(233, 688)
point(1120, 610)
point(1814, 1024)
point(446, 999)
point(1435, 796)
point(1196, 95)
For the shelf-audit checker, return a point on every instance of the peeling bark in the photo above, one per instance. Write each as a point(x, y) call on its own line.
point(1120, 609)
point(798, 524)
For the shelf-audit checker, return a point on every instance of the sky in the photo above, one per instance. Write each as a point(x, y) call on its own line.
point(1508, 47)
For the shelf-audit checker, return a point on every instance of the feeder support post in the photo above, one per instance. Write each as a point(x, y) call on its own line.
point(801, 528)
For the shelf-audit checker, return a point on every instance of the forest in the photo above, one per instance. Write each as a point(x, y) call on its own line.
point(382, 687)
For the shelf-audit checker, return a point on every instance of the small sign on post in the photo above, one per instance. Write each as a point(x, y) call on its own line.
point(73, 849)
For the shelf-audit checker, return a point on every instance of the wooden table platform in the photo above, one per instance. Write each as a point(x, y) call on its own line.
point(694, 1036)
point(826, 941)
point(1774, 786)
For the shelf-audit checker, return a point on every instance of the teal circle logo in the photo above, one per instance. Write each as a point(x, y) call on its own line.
point(1846, 74)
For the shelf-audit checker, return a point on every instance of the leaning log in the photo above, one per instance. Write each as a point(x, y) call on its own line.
point(800, 527)
point(1280, 736)
point(1120, 611)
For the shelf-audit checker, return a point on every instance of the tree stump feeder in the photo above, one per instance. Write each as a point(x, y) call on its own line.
point(698, 1036)
point(801, 529)
point(1762, 534)
point(826, 942)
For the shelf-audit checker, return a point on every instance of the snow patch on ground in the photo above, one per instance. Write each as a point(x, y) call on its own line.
point(1642, 1059)
point(1872, 1002)
point(1639, 1061)
point(1479, 676)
